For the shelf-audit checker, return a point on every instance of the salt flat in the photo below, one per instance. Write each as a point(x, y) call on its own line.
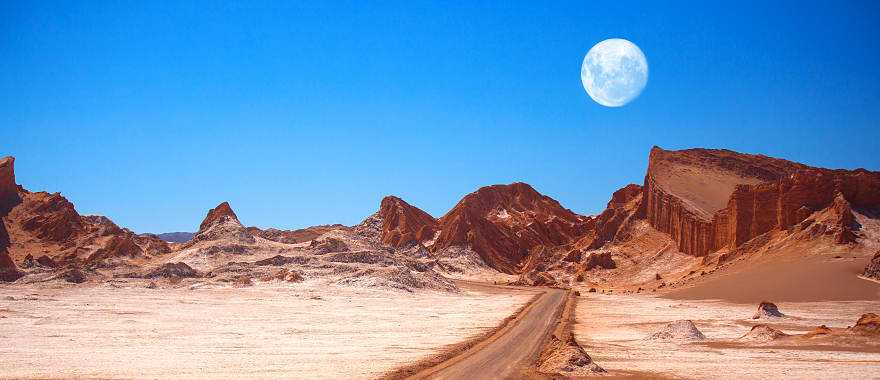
point(613, 328)
point(307, 330)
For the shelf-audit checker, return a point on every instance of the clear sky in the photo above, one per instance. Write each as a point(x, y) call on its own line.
point(308, 114)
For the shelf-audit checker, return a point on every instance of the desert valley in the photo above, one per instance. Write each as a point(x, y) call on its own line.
point(719, 264)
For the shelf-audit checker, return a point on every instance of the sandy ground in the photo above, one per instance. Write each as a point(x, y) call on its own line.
point(612, 328)
point(305, 330)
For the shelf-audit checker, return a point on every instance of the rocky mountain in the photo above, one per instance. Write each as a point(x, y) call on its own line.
point(221, 223)
point(505, 224)
point(403, 224)
point(44, 224)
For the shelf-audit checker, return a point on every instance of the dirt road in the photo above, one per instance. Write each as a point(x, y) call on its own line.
point(508, 354)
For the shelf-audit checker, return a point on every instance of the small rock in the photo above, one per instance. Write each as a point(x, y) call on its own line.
point(682, 330)
point(767, 309)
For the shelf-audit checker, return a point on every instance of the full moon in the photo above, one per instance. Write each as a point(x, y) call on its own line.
point(614, 72)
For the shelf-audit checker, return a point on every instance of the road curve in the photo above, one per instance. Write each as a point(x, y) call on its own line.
point(509, 355)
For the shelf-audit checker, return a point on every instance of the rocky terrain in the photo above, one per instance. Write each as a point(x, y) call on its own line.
point(704, 225)
point(698, 212)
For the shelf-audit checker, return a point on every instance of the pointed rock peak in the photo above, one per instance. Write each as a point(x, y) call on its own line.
point(220, 213)
point(625, 195)
point(404, 224)
point(394, 204)
point(8, 188)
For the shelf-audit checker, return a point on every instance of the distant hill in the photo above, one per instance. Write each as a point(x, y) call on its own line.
point(176, 237)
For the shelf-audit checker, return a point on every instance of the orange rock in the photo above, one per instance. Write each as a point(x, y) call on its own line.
point(504, 223)
point(403, 224)
point(223, 210)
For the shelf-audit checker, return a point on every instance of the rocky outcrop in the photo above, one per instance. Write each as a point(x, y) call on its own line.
point(8, 271)
point(49, 217)
point(48, 222)
point(403, 224)
point(872, 270)
point(767, 310)
point(624, 206)
point(762, 334)
point(682, 330)
point(217, 215)
point(8, 189)
point(868, 324)
point(222, 224)
point(600, 260)
point(504, 223)
point(712, 199)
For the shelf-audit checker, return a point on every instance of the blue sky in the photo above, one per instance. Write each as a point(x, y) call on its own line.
point(303, 114)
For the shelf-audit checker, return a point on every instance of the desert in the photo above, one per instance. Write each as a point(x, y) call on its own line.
point(439, 190)
point(508, 276)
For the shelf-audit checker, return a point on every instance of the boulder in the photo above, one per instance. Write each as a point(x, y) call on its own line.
point(8, 271)
point(600, 260)
point(868, 324)
point(767, 310)
point(46, 262)
point(872, 270)
point(73, 275)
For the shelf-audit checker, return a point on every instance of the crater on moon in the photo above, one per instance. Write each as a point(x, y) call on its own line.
point(614, 72)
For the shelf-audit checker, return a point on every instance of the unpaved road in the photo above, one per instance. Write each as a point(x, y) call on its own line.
point(510, 354)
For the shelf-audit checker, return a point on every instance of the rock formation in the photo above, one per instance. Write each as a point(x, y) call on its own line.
point(762, 334)
point(403, 224)
point(872, 270)
point(625, 205)
point(40, 222)
point(8, 271)
point(505, 223)
point(8, 189)
point(767, 309)
point(221, 223)
point(868, 324)
point(683, 330)
point(712, 199)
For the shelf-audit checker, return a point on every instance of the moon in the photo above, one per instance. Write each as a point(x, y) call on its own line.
point(614, 72)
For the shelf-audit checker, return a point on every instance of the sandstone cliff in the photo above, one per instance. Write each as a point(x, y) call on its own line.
point(707, 200)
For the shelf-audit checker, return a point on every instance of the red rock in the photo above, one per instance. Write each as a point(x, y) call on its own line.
point(872, 270)
point(403, 224)
point(44, 222)
point(711, 199)
point(625, 204)
point(221, 212)
point(46, 262)
point(868, 324)
point(8, 189)
point(8, 271)
point(504, 223)
point(600, 260)
point(49, 217)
